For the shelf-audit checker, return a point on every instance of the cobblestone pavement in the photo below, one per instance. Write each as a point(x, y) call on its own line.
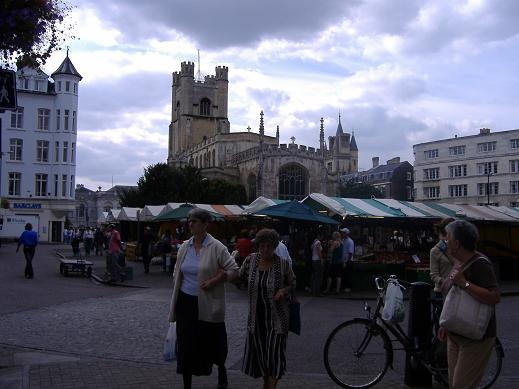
point(74, 333)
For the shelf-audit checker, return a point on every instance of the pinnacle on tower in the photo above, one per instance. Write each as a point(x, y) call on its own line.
point(261, 127)
point(321, 134)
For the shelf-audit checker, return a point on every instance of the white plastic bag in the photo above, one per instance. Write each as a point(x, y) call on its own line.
point(170, 343)
point(394, 310)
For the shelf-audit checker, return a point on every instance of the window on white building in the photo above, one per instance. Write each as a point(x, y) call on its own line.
point(43, 119)
point(431, 192)
point(514, 186)
point(64, 185)
point(487, 168)
point(67, 86)
point(514, 166)
point(514, 143)
point(59, 86)
point(456, 150)
point(56, 151)
point(40, 185)
point(15, 149)
point(493, 188)
point(67, 112)
point(15, 180)
point(458, 171)
point(486, 147)
point(74, 124)
point(431, 154)
point(65, 151)
point(73, 152)
point(42, 151)
point(71, 192)
point(75, 87)
point(458, 190)
point(58, 120)
point(514, 204)
point(431, 174)
point(56, 184)
point(17, 118)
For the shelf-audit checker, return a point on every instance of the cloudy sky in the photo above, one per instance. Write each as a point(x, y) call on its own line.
point(399, 72)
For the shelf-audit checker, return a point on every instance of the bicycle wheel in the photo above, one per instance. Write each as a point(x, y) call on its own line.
point(357, 354)
point(493, 367)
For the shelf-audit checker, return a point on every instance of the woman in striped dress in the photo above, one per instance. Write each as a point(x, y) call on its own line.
point(270, 281)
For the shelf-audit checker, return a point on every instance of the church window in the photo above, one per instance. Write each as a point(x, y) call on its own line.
point(214, 158)
point(205, 107)
point(293, 180)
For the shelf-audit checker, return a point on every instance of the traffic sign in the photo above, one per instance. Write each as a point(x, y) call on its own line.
point(7, 89)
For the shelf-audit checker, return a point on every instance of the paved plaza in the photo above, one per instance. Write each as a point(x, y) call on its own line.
point(74, 332)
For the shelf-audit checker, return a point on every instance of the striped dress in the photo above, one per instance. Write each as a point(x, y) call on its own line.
point(265, 345)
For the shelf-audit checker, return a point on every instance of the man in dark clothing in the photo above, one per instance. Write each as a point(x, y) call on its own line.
point(29, 239)
point(146, 241)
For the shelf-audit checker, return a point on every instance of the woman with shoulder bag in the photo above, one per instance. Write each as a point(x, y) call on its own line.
point(474, 274)
point(198, 301)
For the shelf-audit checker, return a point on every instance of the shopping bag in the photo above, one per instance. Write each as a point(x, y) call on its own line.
point(464, 315)
point(394, 310)
point(294, 321)
point(170, 343)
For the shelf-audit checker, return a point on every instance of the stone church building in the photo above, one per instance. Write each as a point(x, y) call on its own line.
point(199, 135)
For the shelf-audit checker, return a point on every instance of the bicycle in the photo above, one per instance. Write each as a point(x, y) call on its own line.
point(358, 352)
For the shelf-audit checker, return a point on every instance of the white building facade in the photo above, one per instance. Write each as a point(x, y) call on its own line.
point(38, 165)
point(478, 169)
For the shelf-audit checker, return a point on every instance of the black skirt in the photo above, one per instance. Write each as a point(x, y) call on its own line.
point(200, 344)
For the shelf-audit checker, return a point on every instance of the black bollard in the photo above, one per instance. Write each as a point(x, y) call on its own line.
point(419, 331)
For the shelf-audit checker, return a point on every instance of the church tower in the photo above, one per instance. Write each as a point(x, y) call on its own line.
point(198, 110)
point(343, 153)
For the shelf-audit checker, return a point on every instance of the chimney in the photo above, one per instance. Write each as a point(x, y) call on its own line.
point(393, 161)
point(484, 131)
point(375, 161)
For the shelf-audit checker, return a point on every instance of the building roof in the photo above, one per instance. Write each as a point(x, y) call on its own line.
point(353, 143)
point(67, 67)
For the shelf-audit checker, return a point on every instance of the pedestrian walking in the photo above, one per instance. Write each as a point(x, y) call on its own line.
point(270, 281)
point(337, 263)
point(146, 245)
point(348, 249)
point(317, 266)
point(198, 301)
point(29, 240)
point(474, 273)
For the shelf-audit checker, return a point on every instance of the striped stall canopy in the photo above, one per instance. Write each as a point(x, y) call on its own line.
point(150, 212)
point(396, 208)
point(128, 214)
point(261, 203)
point(228, 211)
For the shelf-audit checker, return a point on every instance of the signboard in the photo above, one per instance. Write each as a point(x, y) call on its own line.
point(27, 205)
point(12, 226)
point(7, 89)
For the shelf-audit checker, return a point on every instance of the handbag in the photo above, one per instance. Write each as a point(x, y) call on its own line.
point(170, 344)
point(462, 314)
point(294, 320)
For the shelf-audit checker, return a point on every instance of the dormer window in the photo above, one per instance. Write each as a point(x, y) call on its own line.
point(205, 107)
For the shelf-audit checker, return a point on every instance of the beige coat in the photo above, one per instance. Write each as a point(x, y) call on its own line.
point(440, 263)
point(211, 302)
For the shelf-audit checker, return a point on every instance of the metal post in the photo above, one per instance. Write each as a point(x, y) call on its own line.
point(419, 332)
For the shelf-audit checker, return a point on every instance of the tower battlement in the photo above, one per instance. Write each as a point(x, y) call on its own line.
point(187, 69)
point(222, 73)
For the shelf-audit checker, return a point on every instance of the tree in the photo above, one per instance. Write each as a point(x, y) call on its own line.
point(359, 190)
point(32, 29)
point(162, 184)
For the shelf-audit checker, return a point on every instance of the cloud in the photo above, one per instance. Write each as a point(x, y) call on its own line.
point(217, 24)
